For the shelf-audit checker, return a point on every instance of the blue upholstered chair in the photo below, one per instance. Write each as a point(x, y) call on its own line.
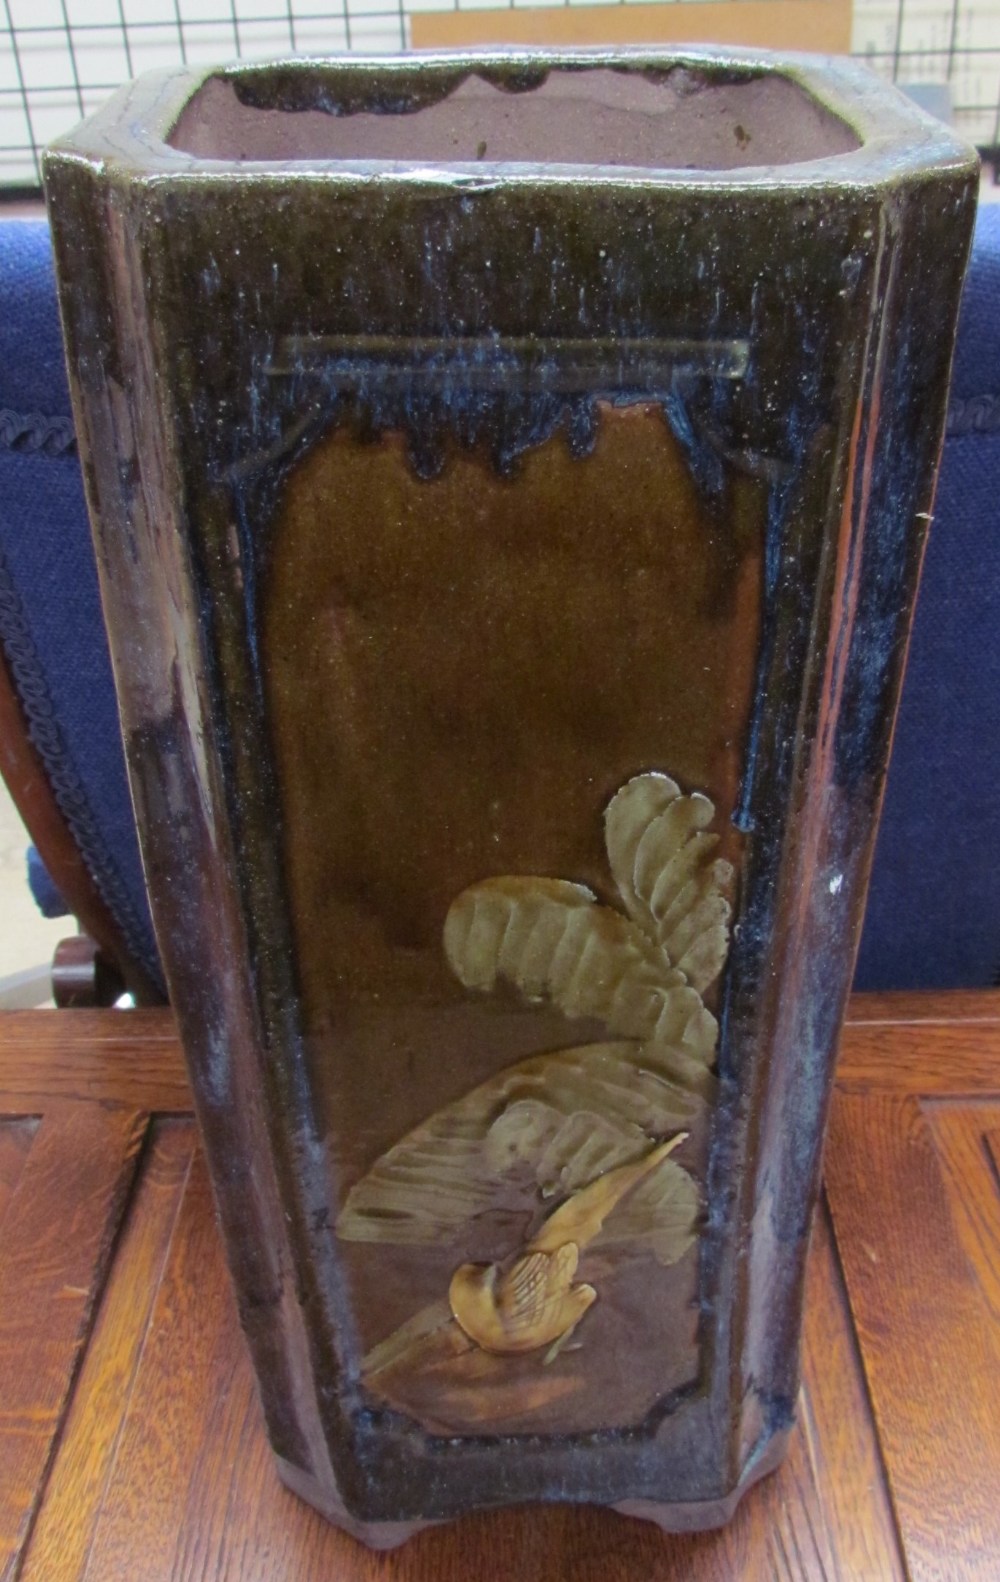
point(67, 771)
point(934, 912)
point(933, 919)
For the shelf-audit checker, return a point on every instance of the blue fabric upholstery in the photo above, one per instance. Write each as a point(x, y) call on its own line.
point(50, 616)
point(934, 910)
point(933, 918)
point(47, 898)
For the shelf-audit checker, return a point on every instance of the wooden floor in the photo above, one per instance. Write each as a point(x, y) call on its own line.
point(131, 1447)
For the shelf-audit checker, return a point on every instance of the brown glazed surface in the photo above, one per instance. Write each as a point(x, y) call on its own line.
point(461, 672)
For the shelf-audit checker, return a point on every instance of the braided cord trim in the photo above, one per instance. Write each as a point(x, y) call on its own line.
point(33, 431)
point(974, 415)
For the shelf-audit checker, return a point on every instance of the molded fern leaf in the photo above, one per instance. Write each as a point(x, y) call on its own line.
point(661, 854)
point(549, 1125)
point(551, 940)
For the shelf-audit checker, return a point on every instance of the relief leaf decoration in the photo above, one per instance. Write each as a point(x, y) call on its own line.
point(628, 815)
point(553, 1123)
point(554, 942)
point(660, 1214)
point(571, 1148)
point(643, 974)
point(581, 1218)
point(662, 857)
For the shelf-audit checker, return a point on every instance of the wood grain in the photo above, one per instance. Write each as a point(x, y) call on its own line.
point(134, 1058)
point(940, 1005)
point(992, 1141)
point(952, 1058)
point(931, 1350)
point(190, 1401)
point(16, 1137)
point(195, 1495)
point(120, 1057)
point(961, 1139)
point(131, 1440)
point(835, 1422)
point(57, 1237)
point(68, 1514)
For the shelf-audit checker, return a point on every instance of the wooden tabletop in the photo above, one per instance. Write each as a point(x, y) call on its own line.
point(131, 1445)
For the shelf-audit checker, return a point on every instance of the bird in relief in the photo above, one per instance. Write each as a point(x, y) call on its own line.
point(583, 1123)
point(534, 1303)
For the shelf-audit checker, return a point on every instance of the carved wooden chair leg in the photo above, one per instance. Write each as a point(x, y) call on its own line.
point(83, 975)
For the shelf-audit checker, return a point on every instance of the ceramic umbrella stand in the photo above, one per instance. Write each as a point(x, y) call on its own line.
point(509, 476)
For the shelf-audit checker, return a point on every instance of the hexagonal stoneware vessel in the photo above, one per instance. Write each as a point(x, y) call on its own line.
point(509, 475)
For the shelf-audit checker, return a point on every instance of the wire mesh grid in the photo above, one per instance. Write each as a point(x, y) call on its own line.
point(59, 59)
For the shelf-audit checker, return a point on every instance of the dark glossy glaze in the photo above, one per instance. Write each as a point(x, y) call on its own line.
point(432, 506)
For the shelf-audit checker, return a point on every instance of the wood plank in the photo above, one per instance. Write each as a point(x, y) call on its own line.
point(16, 1137)
point(961, 1138)
point(921, 1057)
point(936, 1005)
point(835, 1420)
point(774, 24)
point(180, 1484)
point(57, 1238)
point(67, 1518)
point(194, 1493)
point(992, 1141)
point(133, 1057)
point(931, 1352)
point(21, 1031)
point(123, 1057)
point(192, 1376)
